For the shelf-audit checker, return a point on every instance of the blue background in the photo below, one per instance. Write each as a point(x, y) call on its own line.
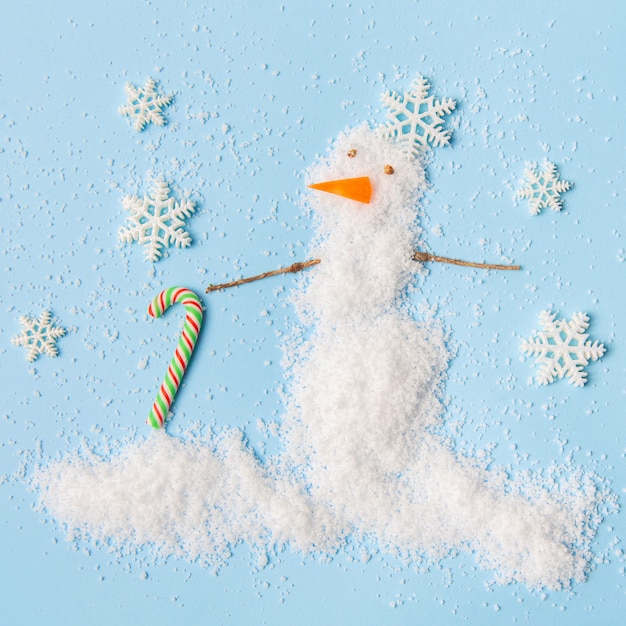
point(260, 87)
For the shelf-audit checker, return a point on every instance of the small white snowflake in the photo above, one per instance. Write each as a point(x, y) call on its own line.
point(562, 348)
point(145, 104)
point(542, 189)
point(416, 118)
point(39, 336)
point(156, 220)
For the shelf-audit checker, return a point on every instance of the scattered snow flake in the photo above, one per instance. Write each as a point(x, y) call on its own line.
point(157, 221)
point(542, 189)
point(562, 348)
point(39, 336)
point(416, 118)
point(145, 104)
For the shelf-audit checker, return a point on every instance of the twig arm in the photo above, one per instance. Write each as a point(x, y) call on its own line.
point(425, 257)
point(296, 267)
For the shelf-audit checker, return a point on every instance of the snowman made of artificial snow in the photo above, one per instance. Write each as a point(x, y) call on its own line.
point(365, 377)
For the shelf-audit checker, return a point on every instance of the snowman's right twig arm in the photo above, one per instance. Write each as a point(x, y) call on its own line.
point(298, 267)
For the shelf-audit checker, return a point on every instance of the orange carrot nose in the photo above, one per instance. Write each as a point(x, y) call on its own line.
point(359, 189)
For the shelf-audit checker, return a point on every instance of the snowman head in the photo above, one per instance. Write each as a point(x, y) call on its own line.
point(365, 196)
point(367, 173)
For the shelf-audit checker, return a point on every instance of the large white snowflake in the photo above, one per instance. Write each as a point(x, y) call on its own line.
point(562, 348)
point(543, 189)
point(156, 220)
point(39, 336)
point(145, 104)
point(416, 118)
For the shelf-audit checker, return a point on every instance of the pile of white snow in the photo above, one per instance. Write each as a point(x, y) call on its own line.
point(361, 460)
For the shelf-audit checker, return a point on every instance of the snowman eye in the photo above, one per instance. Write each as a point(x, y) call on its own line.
point(388, 169)
point(351, 153)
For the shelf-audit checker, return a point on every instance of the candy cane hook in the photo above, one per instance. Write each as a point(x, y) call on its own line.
point(186, 344)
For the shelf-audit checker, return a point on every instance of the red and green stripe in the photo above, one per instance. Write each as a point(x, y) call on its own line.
point(184, 350)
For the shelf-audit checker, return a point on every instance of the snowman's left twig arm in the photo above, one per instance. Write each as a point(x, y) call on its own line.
point(298, 267)
point(425, 256)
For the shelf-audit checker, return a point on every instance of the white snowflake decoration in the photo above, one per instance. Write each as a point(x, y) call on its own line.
point(157, 221)
point(543, 189)
point(145, 104)
point(562, 348)
point(416, 118)
point(39, 336)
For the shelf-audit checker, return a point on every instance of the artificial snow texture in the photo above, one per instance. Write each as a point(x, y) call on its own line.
point(415, 118)
point(156, 221)
point(563, 348)
point(145, 105)
point(543, 188)
point(39, 336)
point(360, 459)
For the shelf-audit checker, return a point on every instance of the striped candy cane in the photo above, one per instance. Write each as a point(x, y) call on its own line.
point(186, 344)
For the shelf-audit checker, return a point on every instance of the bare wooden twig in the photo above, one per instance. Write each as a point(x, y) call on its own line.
point(423, 257)
point(296, 267)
